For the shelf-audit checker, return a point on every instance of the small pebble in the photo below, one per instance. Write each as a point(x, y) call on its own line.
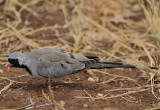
point(85, 105)
point(100, 94)
point(91, 79)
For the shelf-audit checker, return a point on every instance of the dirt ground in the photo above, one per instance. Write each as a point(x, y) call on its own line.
point(110, 89)
point(67, 90)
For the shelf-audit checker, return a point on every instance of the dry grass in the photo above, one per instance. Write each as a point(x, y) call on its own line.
point(113, 30)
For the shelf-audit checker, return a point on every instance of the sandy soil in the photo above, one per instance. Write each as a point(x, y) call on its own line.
point(67, 89)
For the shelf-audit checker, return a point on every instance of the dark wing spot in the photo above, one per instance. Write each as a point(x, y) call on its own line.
point(94, 58)
point(63, 51)
point(62, 65)
point(71, 55)
point(68, 62)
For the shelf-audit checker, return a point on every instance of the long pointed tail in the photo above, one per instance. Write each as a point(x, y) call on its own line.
point(102, 65)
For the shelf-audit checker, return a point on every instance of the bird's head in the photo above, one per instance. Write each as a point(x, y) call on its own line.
point(16, 59)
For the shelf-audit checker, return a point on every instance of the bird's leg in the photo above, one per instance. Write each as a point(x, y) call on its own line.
point(47, 83)
point(51, 82)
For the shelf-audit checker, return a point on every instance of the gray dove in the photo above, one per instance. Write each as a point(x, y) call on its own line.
point(56, 63)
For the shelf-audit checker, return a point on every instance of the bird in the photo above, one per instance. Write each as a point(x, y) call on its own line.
point(57, 63)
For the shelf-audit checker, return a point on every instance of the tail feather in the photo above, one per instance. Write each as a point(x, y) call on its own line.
point(103, 65)
point(112, 63)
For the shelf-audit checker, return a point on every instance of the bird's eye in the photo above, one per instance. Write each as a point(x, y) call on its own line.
point(13, 61)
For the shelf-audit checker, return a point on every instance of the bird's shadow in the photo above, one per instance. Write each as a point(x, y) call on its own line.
point(55, 86)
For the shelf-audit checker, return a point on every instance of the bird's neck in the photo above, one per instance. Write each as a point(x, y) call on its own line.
point(26, 67)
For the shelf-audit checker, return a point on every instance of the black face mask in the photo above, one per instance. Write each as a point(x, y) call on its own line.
point(14, 62)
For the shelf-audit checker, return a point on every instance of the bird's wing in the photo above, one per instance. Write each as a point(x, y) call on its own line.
point(60, 63)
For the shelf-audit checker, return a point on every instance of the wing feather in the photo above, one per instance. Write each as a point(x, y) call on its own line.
point(58, 65)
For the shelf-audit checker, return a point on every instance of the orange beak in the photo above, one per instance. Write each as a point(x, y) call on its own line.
point(8, 69)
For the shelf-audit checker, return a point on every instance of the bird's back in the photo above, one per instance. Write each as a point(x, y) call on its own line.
point(54, 62)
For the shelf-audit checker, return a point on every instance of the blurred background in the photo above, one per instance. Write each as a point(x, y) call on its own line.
point(115, 30)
